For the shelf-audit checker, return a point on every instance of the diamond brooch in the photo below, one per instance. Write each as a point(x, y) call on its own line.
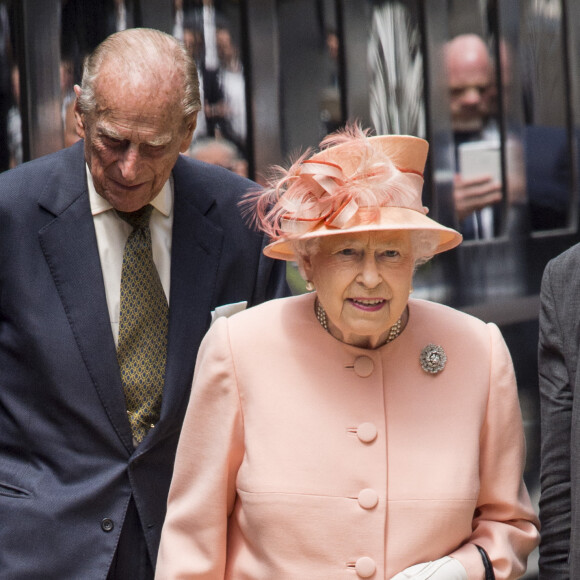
point(433, 359)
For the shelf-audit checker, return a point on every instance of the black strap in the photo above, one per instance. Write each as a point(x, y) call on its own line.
point(489, 573)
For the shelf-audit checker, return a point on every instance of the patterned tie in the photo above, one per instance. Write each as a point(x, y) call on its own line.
point(143, 322)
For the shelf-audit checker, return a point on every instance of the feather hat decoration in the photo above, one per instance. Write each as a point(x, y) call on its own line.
point(354, 183)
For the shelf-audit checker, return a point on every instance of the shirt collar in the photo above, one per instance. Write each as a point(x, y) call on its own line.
point(163, 202)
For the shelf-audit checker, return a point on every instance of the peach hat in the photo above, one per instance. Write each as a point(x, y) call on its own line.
point(355, 183)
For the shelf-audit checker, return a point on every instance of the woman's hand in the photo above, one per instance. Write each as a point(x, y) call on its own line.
point(446, 568)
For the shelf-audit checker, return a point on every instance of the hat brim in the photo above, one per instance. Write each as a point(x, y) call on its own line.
point(392, 219)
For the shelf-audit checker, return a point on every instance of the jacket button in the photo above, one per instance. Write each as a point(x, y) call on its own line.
point(368, 499)
point(366, 432)
point(364, 366)
point(107, 525)
point(365, 567)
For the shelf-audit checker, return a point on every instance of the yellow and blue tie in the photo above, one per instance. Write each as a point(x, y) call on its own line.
point(143, 323)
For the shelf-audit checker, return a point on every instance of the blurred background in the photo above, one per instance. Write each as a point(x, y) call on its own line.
point(492, 84)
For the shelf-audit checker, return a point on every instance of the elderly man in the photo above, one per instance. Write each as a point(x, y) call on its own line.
point(471, 85)
point(113, 254)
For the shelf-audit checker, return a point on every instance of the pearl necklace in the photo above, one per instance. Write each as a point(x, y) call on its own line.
point(323, 319)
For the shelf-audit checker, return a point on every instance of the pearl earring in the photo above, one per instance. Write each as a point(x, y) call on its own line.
point(309, 286)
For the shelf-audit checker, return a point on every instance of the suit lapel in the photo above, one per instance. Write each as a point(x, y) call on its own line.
point(195, 253)
point(196, 249)
point(70, 247)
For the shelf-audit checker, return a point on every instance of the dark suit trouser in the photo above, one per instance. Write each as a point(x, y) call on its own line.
point(131, 560)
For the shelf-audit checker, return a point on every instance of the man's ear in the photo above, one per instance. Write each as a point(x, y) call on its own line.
point(79, 117)
point(186, 141)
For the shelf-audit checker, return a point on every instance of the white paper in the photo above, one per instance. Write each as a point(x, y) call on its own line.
point(227, 310)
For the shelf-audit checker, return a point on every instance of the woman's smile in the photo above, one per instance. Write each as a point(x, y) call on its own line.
point(362, 282)
point(367, 304)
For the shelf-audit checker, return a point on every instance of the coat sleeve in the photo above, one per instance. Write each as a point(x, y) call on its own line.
point(210, 451)
point(556, 417)
point(504, 522)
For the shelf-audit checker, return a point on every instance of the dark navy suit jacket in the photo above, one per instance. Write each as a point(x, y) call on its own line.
point(67, 463)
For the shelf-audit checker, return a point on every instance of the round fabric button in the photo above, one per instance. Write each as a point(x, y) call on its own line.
point(365, 567)
point(364, 366)
point(366, 432)
point(368, 498)
point(107, 525)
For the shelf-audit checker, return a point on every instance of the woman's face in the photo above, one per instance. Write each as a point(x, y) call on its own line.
point(363, 282)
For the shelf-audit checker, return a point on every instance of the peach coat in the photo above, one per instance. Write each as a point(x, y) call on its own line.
point(305, 458)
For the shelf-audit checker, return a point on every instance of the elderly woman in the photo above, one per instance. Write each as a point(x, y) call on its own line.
point(351, 432)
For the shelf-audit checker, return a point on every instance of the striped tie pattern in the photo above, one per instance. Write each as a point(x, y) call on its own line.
point(143, 323)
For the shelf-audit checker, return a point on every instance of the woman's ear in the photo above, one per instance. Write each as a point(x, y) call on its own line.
point(304, 263)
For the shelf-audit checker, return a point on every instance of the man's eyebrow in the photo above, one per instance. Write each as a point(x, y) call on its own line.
point(158, 141)
point(109, 132)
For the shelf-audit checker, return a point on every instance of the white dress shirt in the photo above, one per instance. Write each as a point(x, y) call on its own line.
point(112, 233)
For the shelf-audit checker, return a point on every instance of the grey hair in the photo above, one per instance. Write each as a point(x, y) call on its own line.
point(423, 247)
point(135, 49)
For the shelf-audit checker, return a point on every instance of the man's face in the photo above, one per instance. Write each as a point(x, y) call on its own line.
point(470, 83)
point(469, 102)
point(225, 47)
point(134, 137)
